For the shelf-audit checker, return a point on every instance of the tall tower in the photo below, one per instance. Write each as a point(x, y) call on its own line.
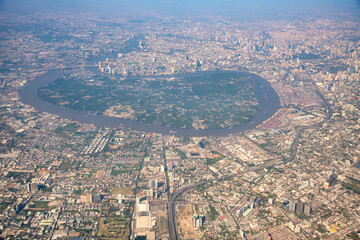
point(299, 206)
point(307, 209)
point(292, 206)
point(153, 185)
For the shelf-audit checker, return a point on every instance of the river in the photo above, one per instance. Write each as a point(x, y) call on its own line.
point(268, 99)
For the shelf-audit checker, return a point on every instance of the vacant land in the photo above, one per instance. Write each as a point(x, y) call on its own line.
point(113, 228)
point(185, 218)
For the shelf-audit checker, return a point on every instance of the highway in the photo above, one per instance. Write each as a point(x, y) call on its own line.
point(167, 186)
point(171, 206)
point(293, 153)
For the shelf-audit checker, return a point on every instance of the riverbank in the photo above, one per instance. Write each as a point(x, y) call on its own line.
point(268, 100)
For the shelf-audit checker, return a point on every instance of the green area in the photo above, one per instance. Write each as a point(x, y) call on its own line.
point(181, 154)
point(114, 228)
point(125, 169)
point(65, 166)
point(217, 157)
point(78, 192)
point(92, 210)
point(354, 180)
point(201, 101)
point(213, 213)
point(352, 187)
point(68, 128)
point(121, 171)
point(307, 56)
point(39, 204)
point(353, 235)
point(4, 205)
point(20, 177)
point(321, 228)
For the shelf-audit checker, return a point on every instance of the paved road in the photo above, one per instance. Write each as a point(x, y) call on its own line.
point(167, 186)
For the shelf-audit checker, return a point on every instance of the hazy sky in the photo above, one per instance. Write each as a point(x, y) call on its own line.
point(233, 8)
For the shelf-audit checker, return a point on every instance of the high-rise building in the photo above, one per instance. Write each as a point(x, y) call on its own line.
point(292, 206)
point(252, 202)
point(151, 193)
point(153, 183)
point(120, 198)
point(332, 179)
point(307, 209)
point(242, 234)
point(156, 194)
point(197, 221)
point(32, 187)
point(299, 207)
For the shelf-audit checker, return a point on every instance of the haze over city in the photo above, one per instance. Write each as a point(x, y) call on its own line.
point(227, 8)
